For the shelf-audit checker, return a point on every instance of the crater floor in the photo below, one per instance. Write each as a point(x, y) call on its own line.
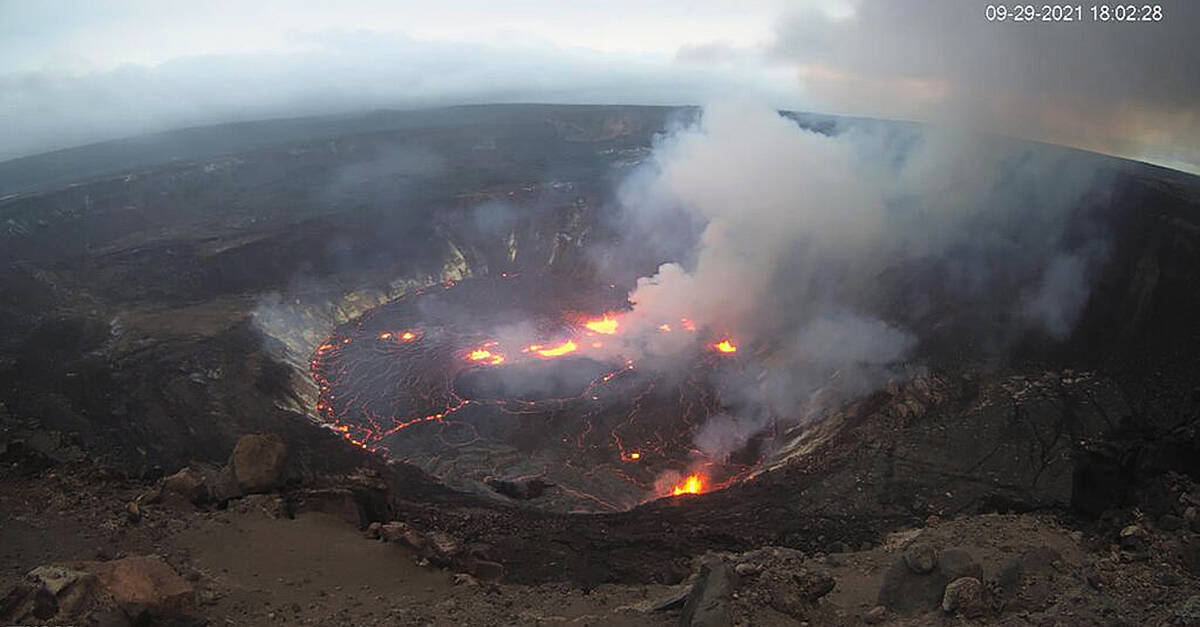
point(428, 379)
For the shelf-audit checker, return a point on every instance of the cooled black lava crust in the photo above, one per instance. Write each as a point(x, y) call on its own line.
point(603, 433)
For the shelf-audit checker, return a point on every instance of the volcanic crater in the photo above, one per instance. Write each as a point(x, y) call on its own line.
point(298, 279)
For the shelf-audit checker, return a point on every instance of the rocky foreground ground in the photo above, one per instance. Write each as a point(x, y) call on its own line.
point(236, 545)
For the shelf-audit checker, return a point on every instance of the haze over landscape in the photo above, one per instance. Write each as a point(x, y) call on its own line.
point(72, 74)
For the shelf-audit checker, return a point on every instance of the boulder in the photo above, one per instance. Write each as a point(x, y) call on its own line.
point(187, 484)
point(964, 596)
point(523, 489)
point(955, 564)
point(920, 557)
point(144, 583)
point(708, 604)
point(1008, 576)
point(258, 462)
point(906, 592)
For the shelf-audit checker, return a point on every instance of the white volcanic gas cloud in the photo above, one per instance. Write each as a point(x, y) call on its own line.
point(764, 187)
point(1125, 87)
point(832, 258)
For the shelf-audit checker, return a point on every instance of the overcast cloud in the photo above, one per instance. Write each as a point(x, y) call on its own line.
point(75, 73)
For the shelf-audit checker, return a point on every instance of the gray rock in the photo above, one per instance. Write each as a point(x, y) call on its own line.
point(920, 557)
point(956, 563)
point(906, 592)
point(708, 604)
point(1008, 575)
point(222, 485)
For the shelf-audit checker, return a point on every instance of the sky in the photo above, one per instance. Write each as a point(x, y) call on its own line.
point(78, 72)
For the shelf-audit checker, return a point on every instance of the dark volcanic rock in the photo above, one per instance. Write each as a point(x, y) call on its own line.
point(956, 563)
point(906, 592)
point(520, 489)
point(708, 603)
point(1008, 575)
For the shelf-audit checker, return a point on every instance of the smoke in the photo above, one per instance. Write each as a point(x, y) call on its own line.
point(389, 174)
point(1122, 87)
point(837, 259)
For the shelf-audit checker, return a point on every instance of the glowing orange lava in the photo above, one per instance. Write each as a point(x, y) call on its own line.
point(385, 336)
point(725, 346)
point(606, 325)
point(408, 335)
point(554, 351)
point(693, 484)
point(664, 327)
point(635, 455)
point(485, 355)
